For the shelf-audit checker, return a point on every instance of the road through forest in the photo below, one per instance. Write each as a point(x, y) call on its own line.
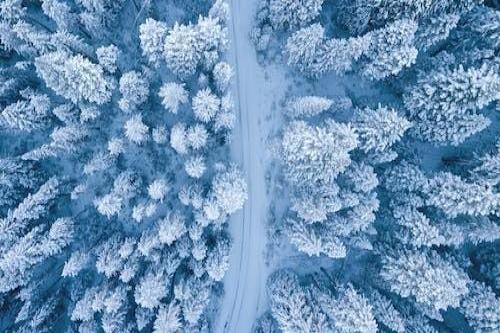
point(244, 283)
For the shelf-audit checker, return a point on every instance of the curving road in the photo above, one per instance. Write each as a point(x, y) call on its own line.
point(244, 283)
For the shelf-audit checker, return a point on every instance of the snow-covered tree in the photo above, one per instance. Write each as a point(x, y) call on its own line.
point(443, 103)
point(197, 136)
point(150, 290)
point(168, 319)
point(152, 35)
point(303, 48)
point(222, 74)
point(178, 138)
point(187, 46)
point(74, 77)
point(135, 130)
point(31, 208)
point(230, 190)
point(195, 166)
point(172, 96)
point(205, 105)
point(455, 196)
point(108, 57)
point(307, 106)
point(171, 228)
point(391, 50)
point(292, 307)
point(34, 247)
point(429, 278)
point(61, 13)
point(217, 261)
point(293, 14)
point(27, 115)
point(380, 128)
point(158, 189)
point(134, 89)
point(317, 154)
point(350, 312)
point(482, 308)
point(314, 240)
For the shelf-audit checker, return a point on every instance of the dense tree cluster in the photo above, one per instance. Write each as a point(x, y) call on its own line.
point(401, 185)
point(115, 183)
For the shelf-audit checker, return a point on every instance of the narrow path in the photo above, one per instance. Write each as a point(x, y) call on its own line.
point(244, 283)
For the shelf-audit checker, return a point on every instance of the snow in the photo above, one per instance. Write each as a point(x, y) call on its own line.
point(255, 92)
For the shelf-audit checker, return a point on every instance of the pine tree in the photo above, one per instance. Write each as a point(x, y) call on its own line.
point(482, 308)
point(291, 306)
point(317, 154)
point(432, 280)
point(291, 14)
point(197, 136)
point(61, 13)
point(205, 105)
point(64, 140)
point(434, 30)
point(135, 130)
point(134, 89)
point(455, 196)
point(31, 249)
point(150, 290)
point(152, 35)
point(391, 50)
point(222, 74)
point(173, 95)
point(314, 240)
point(30, 209)
point(178, 138)
point(351, 312)
point(158, 189)
point(168, 319)
point(380, 128)
point(217, 261)
point(307, 106)
point(230, 190)
point(444, 102)
point(27, 115)
point(303, 48)
point(108, 57)
point(195, 166)
point(171, 228)
point(74, 77)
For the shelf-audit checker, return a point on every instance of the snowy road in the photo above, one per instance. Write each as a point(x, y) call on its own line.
point(244, 283)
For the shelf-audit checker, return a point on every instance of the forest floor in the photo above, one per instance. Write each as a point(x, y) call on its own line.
point(255, 91)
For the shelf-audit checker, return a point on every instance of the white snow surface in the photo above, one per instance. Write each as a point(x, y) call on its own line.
point(255, 92)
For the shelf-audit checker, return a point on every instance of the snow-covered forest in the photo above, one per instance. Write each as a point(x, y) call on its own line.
point(116, 182)
point(388, 160)
point(234, 166)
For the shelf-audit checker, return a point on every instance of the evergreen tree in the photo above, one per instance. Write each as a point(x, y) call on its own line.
point(307, 106)
point(293, 14)
point(432, 280)
point(134, 89)
point(291, 306)
point(152, 35)
point(391, 50)
point(74, 77)
point(379, 129)
point(317, 154)
point(27, 115)
point(173, 95)
point(444, 102)
point(481, 308)
point(455, 196)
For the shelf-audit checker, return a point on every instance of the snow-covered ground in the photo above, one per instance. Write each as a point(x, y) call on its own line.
point(255, 92)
